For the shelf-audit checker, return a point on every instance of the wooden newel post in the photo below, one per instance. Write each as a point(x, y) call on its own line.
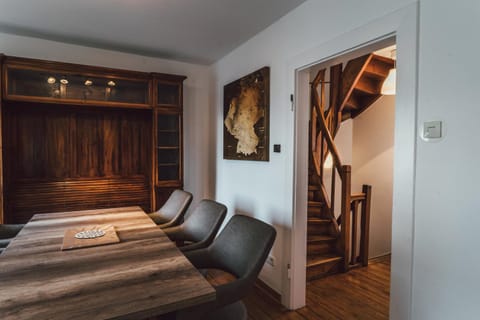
point(345, 215)
point(365, 224)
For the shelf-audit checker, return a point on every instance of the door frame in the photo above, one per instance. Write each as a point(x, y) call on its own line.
point(401, 25)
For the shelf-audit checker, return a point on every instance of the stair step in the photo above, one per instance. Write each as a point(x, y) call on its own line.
point(319, 226)
point(316, 260)
point(320, 244)
point(313, 187)
point(319, 266)
point(317, 209)
point(320, 238)
point(319, 221)
point(379, 67)
point(315, 204)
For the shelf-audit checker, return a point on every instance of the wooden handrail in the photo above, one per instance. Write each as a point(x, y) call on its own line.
point(328, 137)
point(324, 124)
point(358, 196)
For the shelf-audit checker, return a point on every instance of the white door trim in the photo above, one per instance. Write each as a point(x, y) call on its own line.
point(403, 25)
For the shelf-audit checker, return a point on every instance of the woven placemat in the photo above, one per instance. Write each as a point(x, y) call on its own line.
point(71, 242)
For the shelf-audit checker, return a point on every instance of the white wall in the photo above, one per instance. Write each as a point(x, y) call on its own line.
point(264, 189)
point(373, 142)
point(446, 281)
point(196, 95)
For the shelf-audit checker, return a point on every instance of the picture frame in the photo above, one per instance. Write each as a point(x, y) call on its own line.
point(246, 111)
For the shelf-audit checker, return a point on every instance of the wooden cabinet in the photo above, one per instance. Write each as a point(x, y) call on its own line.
point(61, 83)
point(1, 145)
point(80, 137)
point(168, 138)
point(168, 148)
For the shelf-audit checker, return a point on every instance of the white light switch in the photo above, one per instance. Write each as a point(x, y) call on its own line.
point(432, 130)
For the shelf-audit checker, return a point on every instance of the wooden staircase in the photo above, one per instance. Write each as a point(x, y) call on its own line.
point(337, 238)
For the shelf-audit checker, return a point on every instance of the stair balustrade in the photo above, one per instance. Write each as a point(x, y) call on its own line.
point(352, 224)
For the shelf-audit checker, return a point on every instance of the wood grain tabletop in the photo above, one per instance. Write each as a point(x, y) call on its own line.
point(142, 276)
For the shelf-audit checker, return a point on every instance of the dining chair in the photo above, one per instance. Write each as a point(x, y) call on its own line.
point(8, 232)
point(172, 212)
point(200, 227)
point(240, 249)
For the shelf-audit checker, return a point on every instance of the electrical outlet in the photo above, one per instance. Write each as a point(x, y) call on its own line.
point(271, 261)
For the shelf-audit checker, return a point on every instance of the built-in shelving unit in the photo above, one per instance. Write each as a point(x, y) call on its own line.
point(81, 137)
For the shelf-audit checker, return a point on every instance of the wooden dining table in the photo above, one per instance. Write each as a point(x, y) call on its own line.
point(141, 276)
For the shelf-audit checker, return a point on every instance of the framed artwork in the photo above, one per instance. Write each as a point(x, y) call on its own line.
point(246, 104)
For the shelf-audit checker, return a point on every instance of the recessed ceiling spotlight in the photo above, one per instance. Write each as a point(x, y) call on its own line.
point(88, 82)
point(63, 81)
point(111, 83)
point(51, 80)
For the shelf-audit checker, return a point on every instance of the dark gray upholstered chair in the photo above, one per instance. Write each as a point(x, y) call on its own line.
point(172, 212)
point(240, 249)
point(200, 227)
point(8, 232)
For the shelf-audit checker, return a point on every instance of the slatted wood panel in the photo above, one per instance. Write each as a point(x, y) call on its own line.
point(362, 293)
point(143, 275)
point(28, 197)
point(73, 158)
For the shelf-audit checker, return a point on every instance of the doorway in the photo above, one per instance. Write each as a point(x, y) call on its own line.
point(350, 183)
point(399, 27)
point(352, 113)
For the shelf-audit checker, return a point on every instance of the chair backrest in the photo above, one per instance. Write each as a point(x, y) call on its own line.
point(174, 209)
point(10, 230)
point(243, 247)
point(204, 221)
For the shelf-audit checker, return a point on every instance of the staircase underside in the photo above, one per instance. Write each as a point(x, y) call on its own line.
point(362, 83)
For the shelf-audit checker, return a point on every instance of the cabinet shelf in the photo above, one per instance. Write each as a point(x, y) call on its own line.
point(52, 85)
point(168, 148)
point(167, 131)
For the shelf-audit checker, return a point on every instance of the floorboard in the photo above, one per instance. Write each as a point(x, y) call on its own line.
point(362, 293)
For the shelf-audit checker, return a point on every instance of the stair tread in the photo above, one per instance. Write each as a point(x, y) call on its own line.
point(313, 187)
point(315, 204)
point(316, 238)
point(319, 220)
point(316, 260)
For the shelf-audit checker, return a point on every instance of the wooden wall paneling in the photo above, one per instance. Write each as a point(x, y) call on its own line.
point(88, 145)
point(56, 142)
point(66, 156)
point(111, 145)
point(1, 138)
point(72, 158)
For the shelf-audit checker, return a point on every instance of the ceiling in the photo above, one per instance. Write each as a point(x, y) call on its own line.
point(197, 31)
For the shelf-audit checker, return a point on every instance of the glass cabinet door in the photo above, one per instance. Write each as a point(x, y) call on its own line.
point(168, 147)
point(168, 94)
point(70, 87)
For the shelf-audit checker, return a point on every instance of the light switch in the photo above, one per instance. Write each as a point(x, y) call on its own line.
point(432, 130)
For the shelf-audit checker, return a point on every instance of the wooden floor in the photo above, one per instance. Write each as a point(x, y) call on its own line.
point(359, 294)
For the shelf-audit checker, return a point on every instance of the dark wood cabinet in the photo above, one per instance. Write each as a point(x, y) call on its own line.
point(1, 144)
point(79, 137)
point(168, 138)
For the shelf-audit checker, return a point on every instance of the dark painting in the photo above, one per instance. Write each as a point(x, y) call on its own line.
point(245, 117)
